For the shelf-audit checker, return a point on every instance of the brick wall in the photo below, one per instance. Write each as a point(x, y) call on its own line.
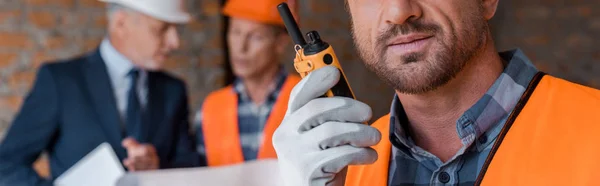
point(561, 37)
point(35, 31)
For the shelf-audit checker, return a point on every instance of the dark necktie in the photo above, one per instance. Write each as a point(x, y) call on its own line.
point(134, 111)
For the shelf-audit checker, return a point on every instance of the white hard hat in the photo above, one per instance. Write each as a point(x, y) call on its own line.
point(171, 11)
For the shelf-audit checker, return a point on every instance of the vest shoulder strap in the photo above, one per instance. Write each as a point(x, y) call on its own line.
point(276, 116)
point(375, 174)
point(553, 141)
point(220, 129)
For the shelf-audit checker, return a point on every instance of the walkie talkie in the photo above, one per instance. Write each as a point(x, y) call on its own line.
point(313, 54)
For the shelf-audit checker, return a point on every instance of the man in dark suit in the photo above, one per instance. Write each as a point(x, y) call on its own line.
point(115, 94)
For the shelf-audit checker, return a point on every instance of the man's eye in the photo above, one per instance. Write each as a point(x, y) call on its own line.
point(164, 28)
point(180, 28)
point(160, 29)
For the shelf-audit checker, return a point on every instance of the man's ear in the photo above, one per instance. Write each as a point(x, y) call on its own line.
point(118, 23)
point(489, 8)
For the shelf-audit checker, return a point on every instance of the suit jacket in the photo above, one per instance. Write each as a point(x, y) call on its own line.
point(71, 110)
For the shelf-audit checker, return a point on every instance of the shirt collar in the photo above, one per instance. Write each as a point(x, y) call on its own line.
point(487, 113)
point(117, 64)
point(240, 89)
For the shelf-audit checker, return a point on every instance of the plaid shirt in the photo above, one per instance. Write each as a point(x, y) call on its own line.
point(251, 118)
point(477, 128)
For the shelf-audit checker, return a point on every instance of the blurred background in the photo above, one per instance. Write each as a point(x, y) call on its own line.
point(561, 37)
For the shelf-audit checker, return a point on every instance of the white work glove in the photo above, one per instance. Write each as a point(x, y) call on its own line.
point(320, 137)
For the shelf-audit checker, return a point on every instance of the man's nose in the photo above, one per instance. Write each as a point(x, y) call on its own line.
point(172, 38)
point(402, 11)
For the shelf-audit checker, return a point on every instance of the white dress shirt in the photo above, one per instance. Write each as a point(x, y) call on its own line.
point(118, 67)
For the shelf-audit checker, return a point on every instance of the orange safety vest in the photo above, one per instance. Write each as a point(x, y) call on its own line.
point(220, 125)
point(552, 137)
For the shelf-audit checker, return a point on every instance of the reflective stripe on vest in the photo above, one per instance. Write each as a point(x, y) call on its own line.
point(551, 138)
point(220, 125)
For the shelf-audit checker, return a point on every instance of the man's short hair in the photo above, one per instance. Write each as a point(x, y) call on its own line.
point(111, 8)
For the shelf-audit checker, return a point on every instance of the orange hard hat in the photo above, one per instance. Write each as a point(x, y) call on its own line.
point(263, 11)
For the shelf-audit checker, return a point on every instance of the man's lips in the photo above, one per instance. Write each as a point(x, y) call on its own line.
point(405, 39)
point(240, 61)
point(404, 44)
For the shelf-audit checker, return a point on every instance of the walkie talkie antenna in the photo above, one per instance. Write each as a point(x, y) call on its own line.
point(290, 24)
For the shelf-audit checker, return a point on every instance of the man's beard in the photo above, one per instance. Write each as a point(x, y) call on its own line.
point(418, 72)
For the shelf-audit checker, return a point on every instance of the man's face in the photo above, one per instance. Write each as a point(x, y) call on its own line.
point(149, 41)
point(253, 47)
point(417, 46)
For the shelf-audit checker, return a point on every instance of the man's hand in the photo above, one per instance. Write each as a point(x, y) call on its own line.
point(320, 137)
point(140, 156)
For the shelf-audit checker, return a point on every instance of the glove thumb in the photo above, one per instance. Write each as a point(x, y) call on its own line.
point(315, 84)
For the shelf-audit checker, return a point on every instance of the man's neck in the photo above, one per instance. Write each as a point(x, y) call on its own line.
point(433, 115)
point(259, 87)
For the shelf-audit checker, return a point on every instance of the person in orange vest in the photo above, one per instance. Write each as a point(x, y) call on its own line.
point(236, 122)
point(463, 113)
